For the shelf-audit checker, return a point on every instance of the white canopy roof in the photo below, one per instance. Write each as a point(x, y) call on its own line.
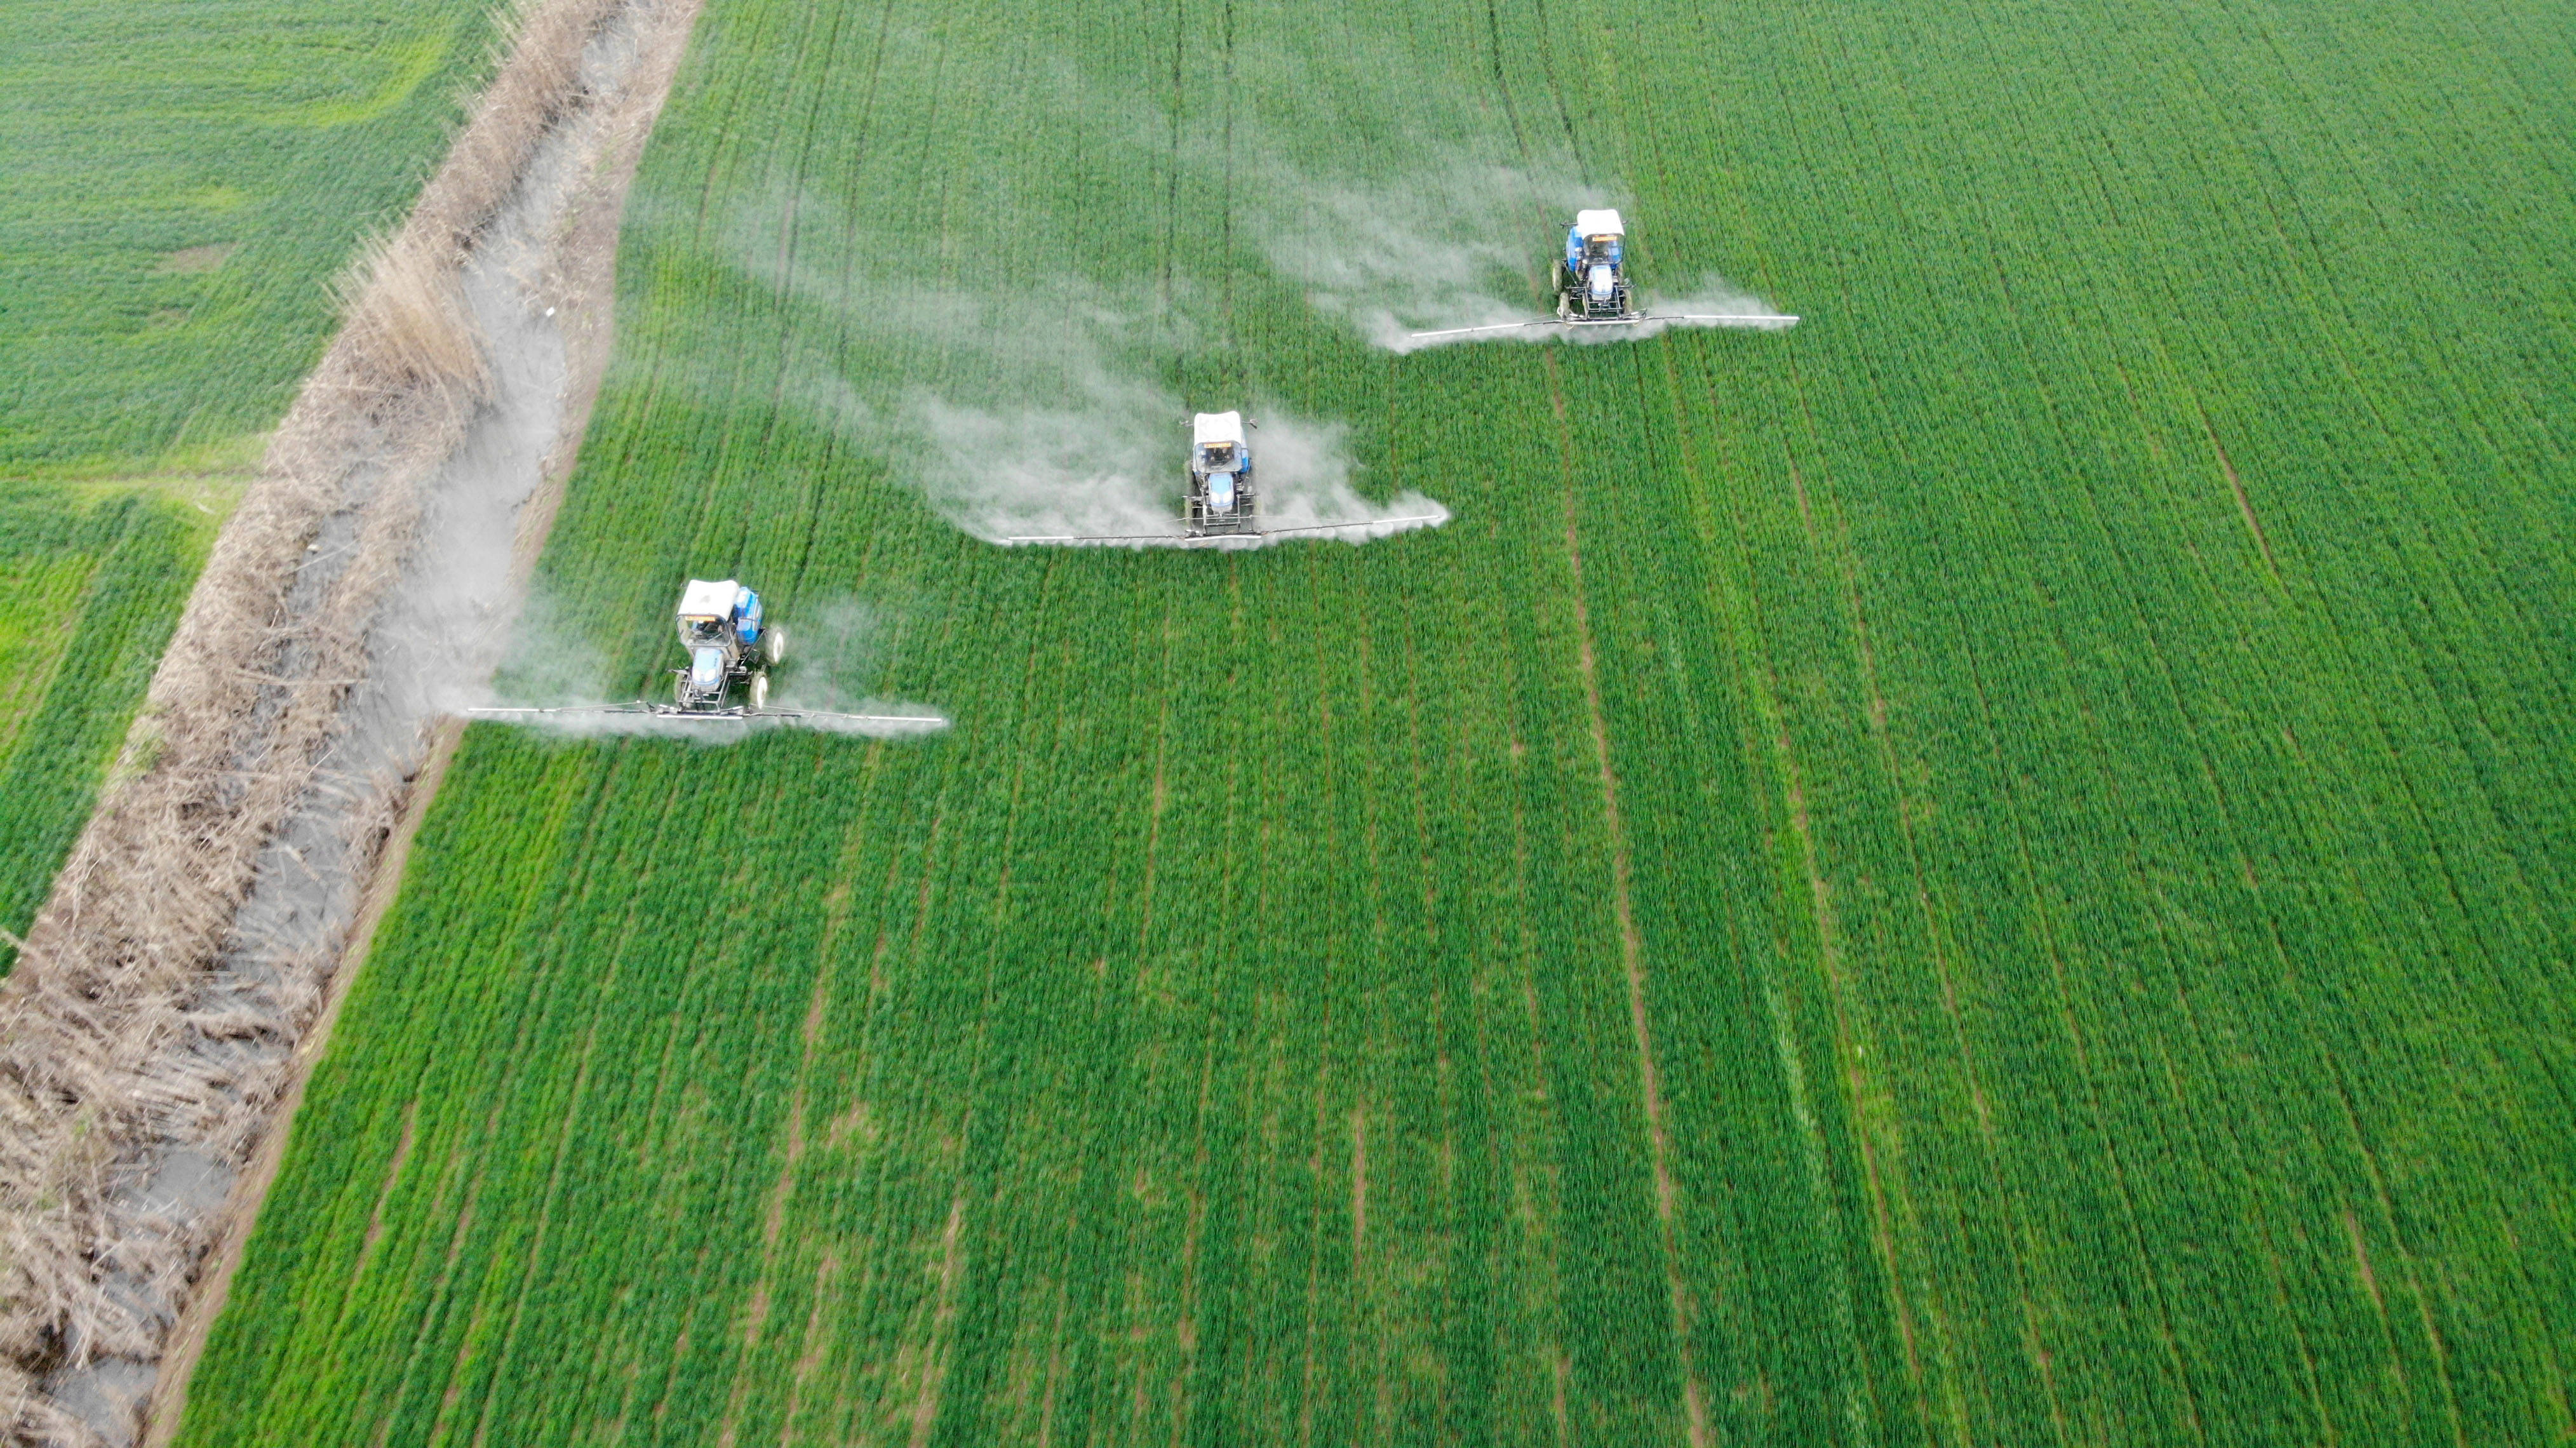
point(1598, 223)
point(703, 599)
point(1215, 427)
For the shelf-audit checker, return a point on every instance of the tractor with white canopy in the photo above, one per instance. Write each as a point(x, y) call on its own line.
point(1592, 280)
point(732, 647)
point(729, 644)
point(1221, 498)
point(1220, 507)
point(1593, 291)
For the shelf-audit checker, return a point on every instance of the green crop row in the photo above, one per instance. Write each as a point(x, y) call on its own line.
point(88, 593)
point(1994, 868)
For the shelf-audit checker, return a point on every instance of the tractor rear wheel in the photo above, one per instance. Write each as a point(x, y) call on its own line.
point(759, 692)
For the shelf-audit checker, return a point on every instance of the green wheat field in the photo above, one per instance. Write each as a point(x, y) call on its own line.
point(1997, 868)
point(178, 182)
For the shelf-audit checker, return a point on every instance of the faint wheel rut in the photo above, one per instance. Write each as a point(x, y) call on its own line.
point(1632, 961)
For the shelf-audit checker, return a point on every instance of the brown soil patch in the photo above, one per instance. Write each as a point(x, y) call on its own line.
point(193, 260)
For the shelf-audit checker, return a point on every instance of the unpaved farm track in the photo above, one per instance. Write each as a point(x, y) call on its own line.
point(180, 981)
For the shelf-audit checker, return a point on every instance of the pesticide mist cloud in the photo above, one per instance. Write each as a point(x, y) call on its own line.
point(1044, 419)
point(1453, 245)
point(1049, 476)
point(553, 665)
point(548, 660)
point(1109, 459)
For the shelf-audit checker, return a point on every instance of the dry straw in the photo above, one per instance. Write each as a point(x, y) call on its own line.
point(119, 970)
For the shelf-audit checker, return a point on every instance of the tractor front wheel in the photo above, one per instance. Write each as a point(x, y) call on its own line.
point(775, 645)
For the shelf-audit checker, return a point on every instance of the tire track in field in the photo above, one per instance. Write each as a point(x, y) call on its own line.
point(461, 1164)
point(2088, 1076)
point(2405, 1258)
point(1186, 1332)
point(1536, 1189)
point(1422, 773)
point(1936, 940)
point(785, 264)
point(756, 1319)
point(1160, 799)
point(2312, 259)
point(1631, 946)
point(2111, 784)
point(1328, 812)
point(1936, 1383)
point(836, 915)
point(1360, 765)
point(859, 132)
point(436, 1306)
point(2228, 1123)
point(384, 1193)
point(1849, 560)
point(814, 1347)
point(1054, 1370)
point(1308, 1367)
point(1741, 615)
point(565, 1131)
point(866, 1054)
point(465, 1342)
point(943, 1324)
point(939, 1347)
point(2160, 1293)
point(2235, 485)
point(2305, 258)
point(2046, 931)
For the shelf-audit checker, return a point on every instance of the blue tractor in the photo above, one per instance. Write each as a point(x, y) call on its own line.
point(728, 644)
point(1592, 281)
point(725, 687)
point(1592, 291)
point(1220, 499)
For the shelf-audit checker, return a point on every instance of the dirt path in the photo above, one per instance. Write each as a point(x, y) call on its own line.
point(183, 978)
